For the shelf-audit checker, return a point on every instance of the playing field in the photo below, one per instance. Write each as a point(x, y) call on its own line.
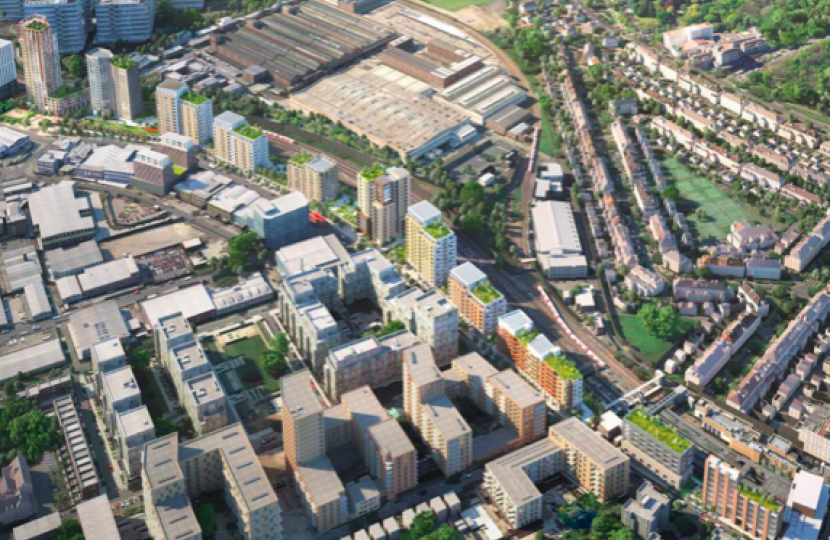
point(455, 5)
point(651, 347)
point(721, 211)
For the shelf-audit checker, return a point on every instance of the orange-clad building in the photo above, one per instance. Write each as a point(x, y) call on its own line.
point(478, 302)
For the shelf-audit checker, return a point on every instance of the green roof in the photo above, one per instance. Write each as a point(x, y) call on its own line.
point(302, 158)
point(764, 499)
point(37, 26)
point(372, 173)
point(65, 91)
point(563, 367)
point(655, 427)
point(437, 231)
point(124, 62)
point(178, 171)
point(485, 292)
point(194, 98)
point(249, 131)
point(526, 337)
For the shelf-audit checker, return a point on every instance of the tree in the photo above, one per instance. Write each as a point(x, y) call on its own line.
point(623, 533)
point(279, 343)
point(703, 271)
point(603, 527)
point(422, 526)
point(69, 529)
point(241, 248)
point(472, 192)
point(75, 65)
point(671, 193)
point(274, 363)
point(206, 516)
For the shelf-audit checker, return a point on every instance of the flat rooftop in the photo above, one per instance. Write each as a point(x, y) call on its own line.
point(589, 443)
point(298, 396)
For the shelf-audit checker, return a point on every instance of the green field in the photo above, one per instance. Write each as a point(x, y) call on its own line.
point(721, 211)
point(455, 5)
point(651, 347)
point(251, 349)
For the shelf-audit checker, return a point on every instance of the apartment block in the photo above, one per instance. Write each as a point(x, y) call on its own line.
point(126, 78)
point(431, 411)
point(478, 302)
point(8, 67)
point(659, 447)
point(509, 481)
point(131, 21)
point(239, 144)
point(152, 172)
point(382, 201)
point(180, 149)
point(119, 393)
point(279, 222)
point(503, 395)
point(316, 177)
point(431, 317)
point(592, 461)
point(168, 105)
point(540, 360)
point(41, 60)
point(648, 512)
point(370, 361)
point(134, 428)
point(431, 247)
point(304, 308)
point(196, 385)
point(175, 472)
point(385, 448)
point(749, 500)
point(106, 356)
point(196, 120)
point(101, 85)
point(323, 494)
point(67, 19)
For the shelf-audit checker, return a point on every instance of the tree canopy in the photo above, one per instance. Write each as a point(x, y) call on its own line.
point(25, 429)
point(661, 322)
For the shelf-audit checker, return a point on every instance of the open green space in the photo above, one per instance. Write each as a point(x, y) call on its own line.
point(721, 210)
point(252, 373)
point(455, 5)
point(650, 346)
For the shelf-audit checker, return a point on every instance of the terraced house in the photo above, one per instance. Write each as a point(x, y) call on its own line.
point(477, 300)
point(658, 446)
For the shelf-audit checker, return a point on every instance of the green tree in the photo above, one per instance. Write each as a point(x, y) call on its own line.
point(241, 248)
point(671, 193)
point(69, 529)
point(274, 363)
point(603, 527)
point(472, 192)
point(422, 526)
point(623, 533)
point(206, 516)
point(661, 322)
point(279, 343)
point(75, 65)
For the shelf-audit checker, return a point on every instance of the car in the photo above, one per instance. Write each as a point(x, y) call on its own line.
point(36, 327)
point(6, 331)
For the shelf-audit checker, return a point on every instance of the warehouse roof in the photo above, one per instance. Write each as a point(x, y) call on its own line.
point(98, 322)
point(34, 359)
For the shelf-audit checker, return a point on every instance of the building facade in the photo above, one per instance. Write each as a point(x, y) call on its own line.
point(67, 19)
point(431, 247)
point(125, 20)
point(659, 447)
point(316, 177)
point(238, 143)
point(168, 105)
point(478, 302)
point(382, 201)
point(153, 172)
point(196, 117)
point(647, 513)
point(126, 77)
point(41, 60)
point(101, 85)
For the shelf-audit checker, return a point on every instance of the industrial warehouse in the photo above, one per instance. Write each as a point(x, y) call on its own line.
point(298, 44)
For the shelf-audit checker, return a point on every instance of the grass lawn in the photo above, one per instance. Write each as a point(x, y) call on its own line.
point(721, 210)
point(251, 349)
point(651, 347)
point(455, 5)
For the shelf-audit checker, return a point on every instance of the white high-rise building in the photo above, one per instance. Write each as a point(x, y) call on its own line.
point(238, 143)
point(67, 19)
point(125, 20)
point(101, 85)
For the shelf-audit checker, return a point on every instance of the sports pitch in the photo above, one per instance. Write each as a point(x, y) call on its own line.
point(721, 211)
